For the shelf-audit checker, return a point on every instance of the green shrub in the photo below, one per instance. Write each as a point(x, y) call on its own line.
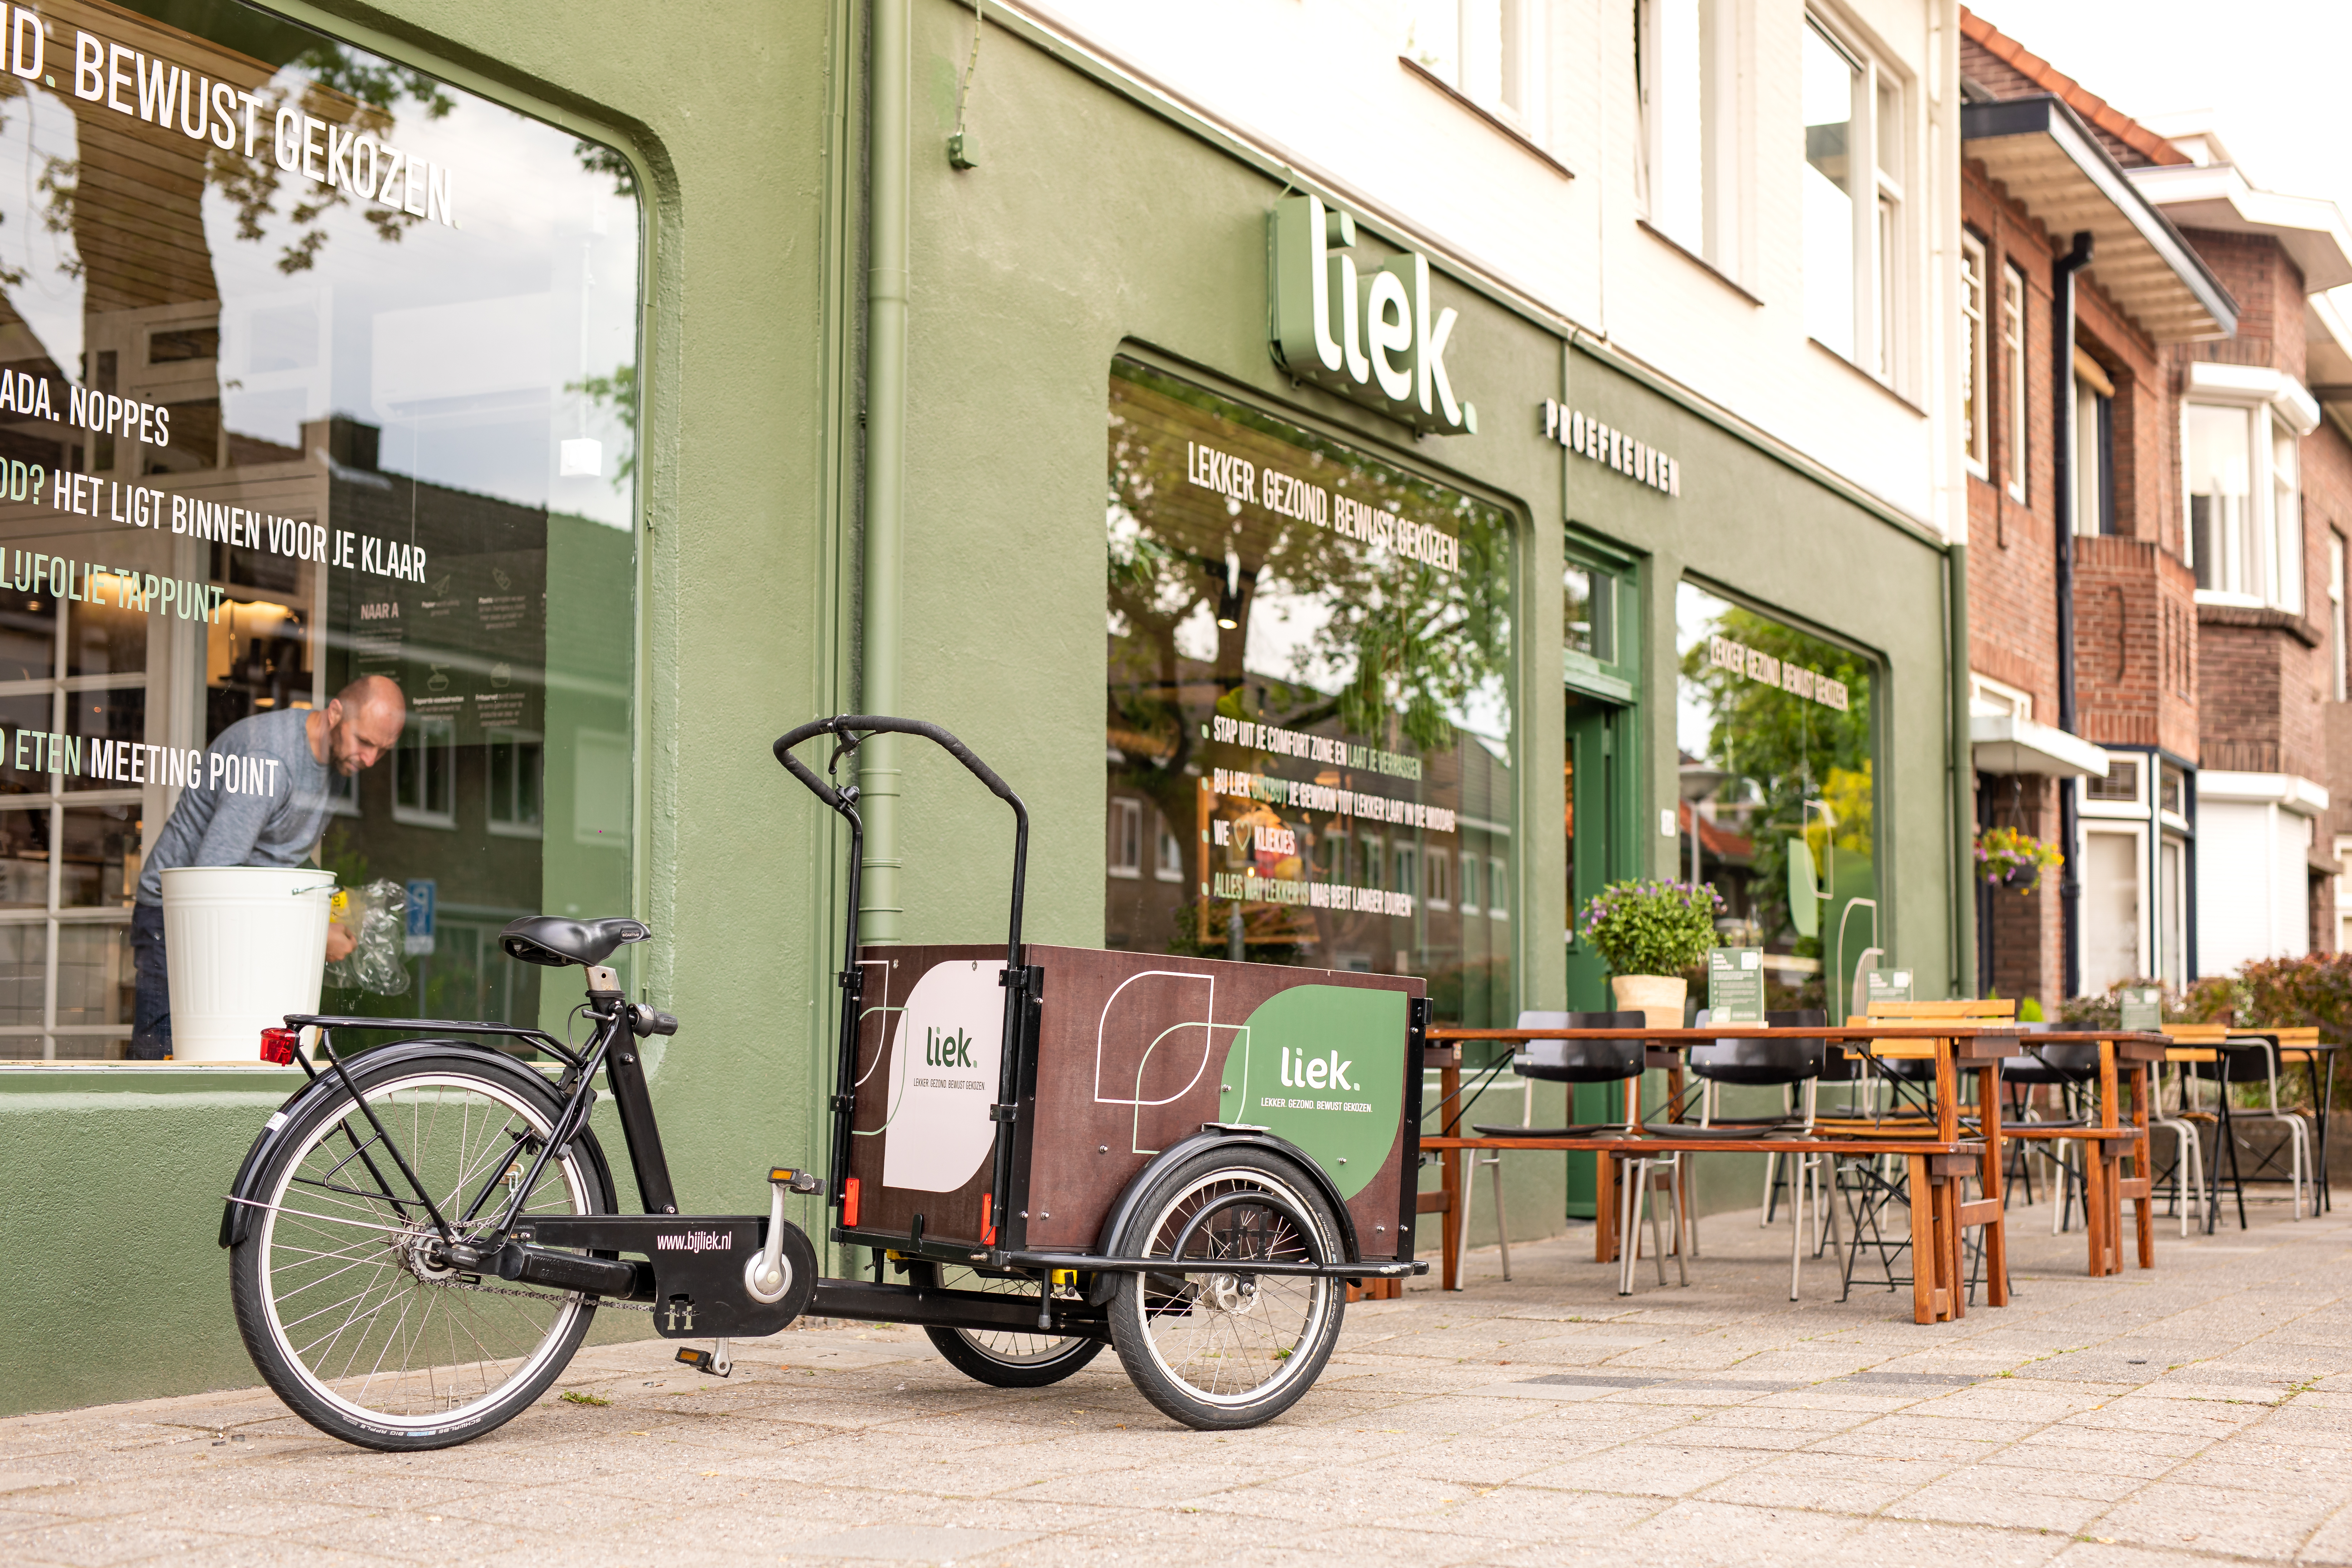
point(1650, 927)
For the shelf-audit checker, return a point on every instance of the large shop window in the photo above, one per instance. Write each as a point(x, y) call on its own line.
point(1309, 703)
point(1774, 726)
point(311, 369)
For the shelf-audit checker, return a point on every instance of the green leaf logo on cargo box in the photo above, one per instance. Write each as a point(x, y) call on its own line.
point(1323, 1066)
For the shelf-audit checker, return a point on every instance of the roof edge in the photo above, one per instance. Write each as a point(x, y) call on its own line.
point(2049, 115)
point(2085, 103)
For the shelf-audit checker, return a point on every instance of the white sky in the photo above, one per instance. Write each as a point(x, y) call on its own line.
point(2271, 72)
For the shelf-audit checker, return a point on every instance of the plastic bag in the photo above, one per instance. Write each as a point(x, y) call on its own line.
point(375, 919)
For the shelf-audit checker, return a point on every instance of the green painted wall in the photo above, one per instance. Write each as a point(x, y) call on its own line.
point(1091, 225)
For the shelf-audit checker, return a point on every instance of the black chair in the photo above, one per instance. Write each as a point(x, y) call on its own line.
point(2251, 1057)
point(2073, 1071)
point(1557, 1061)
point(1575, 1062)
point(1789, 1065)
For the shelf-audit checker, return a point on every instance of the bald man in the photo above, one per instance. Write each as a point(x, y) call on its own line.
point(298, 752)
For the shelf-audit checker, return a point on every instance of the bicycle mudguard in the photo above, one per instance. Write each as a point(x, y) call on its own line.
point(1115, 1239)
point(239, 1208)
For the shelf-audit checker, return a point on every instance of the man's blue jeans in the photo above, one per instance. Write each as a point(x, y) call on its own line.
point(151, 1019)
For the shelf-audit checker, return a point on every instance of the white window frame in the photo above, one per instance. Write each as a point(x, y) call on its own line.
point(2015, 300)
point(2093, 390)
point(1987, 695)
point(1167, 851)
point(1123, 856)
point(1436, 867)
point(1975, 443)
point(1882, 243)
point(2144, 933)
point(1498, 872)
point(510, 826)
point(1469, 889)
point(426, 728)
point(2335, 616)
point(1711, 146)
point(2280, 411)
point(1451, 40)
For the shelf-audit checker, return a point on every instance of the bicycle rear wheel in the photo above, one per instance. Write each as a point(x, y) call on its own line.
point(338, 1296)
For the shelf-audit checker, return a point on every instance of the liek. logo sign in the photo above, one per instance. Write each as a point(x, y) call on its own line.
point(1302, 1071)
point(944, 1050)
point(1370, 336)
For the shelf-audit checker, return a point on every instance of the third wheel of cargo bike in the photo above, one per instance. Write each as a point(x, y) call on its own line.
point(1233, 1348)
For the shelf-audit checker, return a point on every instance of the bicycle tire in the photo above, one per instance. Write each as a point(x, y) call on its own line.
point(1223, 1351)
point(998, 1358)
point(337, 1216)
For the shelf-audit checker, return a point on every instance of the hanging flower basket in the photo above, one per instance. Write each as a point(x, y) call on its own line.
point(2006, 858)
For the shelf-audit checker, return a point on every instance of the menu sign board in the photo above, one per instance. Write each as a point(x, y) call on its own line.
point(1735, 985)
point(1886, 985)
point(2143, 1009)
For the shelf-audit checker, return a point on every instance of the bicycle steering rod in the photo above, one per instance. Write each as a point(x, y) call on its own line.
point(853, 728)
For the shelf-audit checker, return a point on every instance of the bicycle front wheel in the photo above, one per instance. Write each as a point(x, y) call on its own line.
point(339, 1296)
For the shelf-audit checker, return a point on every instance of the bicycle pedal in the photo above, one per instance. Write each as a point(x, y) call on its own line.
point(712, 1363)
point(792, 1181)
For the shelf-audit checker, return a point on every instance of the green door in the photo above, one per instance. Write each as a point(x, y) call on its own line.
point(1597, 796)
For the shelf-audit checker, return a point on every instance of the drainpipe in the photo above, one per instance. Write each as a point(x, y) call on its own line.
point(2061, 474)
point(1964, 860)
point(886, 494)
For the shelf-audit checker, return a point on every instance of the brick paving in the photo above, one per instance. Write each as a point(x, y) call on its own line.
point(2200, 1413)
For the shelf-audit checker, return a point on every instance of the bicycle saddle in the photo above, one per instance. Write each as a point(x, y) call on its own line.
point(555, 941)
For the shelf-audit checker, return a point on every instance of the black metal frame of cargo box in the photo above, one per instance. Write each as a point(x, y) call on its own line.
point(1005, 1251)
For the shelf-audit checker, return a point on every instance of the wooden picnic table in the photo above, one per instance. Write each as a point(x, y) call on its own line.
point(1955, 1046)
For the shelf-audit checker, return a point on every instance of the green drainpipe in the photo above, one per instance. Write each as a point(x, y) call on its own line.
point(1964, 815)
point(886, 477)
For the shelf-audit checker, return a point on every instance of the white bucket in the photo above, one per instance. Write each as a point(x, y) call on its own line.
point(244, 946)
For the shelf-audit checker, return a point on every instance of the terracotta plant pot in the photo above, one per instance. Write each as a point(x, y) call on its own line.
point(1657, 997)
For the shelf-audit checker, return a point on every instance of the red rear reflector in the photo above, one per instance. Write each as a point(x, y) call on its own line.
point(849, 1203)
point(987, 1225)
point(278, 1045)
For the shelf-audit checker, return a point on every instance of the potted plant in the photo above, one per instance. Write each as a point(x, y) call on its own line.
point(2009, 858)
point(1649, 932)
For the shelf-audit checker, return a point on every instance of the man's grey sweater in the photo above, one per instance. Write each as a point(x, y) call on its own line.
point(249, 813)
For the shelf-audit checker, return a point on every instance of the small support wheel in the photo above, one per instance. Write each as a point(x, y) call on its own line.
point(1234, 1349)
point(1000, 1358)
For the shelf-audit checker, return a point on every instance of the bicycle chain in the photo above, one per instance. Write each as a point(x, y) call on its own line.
point(540, 1296)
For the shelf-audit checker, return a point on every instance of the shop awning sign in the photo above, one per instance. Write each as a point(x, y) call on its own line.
point(1372, 336)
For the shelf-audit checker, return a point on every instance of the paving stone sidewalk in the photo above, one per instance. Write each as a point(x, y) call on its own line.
point(2201, 1412)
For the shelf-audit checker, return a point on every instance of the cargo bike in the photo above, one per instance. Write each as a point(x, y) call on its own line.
point(1042, 1150)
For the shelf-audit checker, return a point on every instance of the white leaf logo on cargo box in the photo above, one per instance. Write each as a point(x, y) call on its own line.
point(943, 1066)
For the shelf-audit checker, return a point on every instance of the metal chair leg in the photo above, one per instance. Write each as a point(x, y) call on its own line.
point(1800, 1167)
point(1502, 1225)
point(1629, 1236)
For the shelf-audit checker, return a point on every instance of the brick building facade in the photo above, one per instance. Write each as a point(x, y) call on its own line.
point(2206, 549)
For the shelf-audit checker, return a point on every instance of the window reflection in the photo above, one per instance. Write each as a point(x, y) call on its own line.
point(1310, 658)
point(1774, 727)
point(377, 425)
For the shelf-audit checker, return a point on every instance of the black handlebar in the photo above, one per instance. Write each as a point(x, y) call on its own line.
point(853, 728)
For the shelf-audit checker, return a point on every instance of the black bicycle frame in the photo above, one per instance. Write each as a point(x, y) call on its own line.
point(612, 1046)
point(852, 729)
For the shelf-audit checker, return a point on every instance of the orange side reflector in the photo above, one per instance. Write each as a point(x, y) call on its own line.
point(987, 1225)
point(849, 1203)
